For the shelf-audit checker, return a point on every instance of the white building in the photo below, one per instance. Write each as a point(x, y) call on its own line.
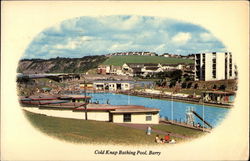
point(112, 85)
point(214, 66)
point(122, 85)
point(103, 112)
point(171, 66)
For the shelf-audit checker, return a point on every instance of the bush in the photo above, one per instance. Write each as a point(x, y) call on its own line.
point(172, 84)
point(184, 85)
point(189, 85)
point(222, 87)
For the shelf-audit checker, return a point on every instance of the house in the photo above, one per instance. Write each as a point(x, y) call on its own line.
point(109, 69)
point(116, 70)
point(150, 70)
point(122, 113)
point(137, 69)
point(103, 69)
point(167, 55)
point(111, 85)
point(133, 53)
point(87, 85)
point(222, 97)
point(214, 66)
point(171, 66)
point(104, 112)
point(191, 56)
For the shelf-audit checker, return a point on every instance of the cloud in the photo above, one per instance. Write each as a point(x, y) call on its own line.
point(182, 38)
point(130, 23)
point(161, 48)
point(83, 36)
point(206, 36)
point(73, 43)
point(121, 46)
point(120, 22)
point(69, 45)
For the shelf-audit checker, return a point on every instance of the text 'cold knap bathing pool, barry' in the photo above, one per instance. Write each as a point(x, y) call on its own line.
point(127, 152)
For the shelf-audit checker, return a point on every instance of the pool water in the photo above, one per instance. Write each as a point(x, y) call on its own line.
point(213, 115)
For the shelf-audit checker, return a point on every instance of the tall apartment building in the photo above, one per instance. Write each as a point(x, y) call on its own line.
point(214, 66)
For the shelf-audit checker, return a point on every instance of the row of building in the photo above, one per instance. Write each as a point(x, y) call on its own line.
point(142, 69)
point(168, 55)
point(191, 56)
point(133, 53)
point(116, 85)
point(122, 85)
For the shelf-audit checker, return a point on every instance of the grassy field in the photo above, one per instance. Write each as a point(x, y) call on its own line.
point(178, 130)
point(120, 60)
point(82, 131)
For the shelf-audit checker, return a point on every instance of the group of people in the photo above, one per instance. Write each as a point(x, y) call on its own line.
point(159, 140)
point(166, 139)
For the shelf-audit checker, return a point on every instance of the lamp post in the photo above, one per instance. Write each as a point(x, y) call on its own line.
point(85, 101)
point(203, 115)
point(172, 108)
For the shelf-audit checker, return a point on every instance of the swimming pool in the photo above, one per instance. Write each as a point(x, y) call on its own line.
point(213, 115)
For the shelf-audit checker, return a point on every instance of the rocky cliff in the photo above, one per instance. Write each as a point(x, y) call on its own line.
point(59, 65)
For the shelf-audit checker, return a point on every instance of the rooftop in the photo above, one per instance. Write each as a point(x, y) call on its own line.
point(121, 81)
point(118, 108)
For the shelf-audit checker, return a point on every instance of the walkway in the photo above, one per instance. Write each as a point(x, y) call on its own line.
point(145, 126)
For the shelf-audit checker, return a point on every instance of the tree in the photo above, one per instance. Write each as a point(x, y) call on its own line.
point(184, 85)
point(172, 83)
point(189, 85)
point(222, 87)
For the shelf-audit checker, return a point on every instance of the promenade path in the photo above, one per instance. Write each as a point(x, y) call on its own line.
point(145, 126)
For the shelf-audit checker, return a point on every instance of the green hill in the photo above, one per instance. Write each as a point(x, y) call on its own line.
point(120, 60)
point(60, 65)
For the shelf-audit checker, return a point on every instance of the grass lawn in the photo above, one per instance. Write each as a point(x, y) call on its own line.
point(179, 130)
point(120, 60)
point(82, 131)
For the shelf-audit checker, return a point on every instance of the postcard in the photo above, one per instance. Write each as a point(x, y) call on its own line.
point(125, 80)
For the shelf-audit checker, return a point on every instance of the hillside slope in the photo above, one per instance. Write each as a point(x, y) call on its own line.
point(60, 65)
point(120, 60)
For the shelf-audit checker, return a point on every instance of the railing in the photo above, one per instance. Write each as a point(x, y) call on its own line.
point(182, 123)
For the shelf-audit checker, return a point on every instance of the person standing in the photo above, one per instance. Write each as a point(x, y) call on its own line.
point(149, 130)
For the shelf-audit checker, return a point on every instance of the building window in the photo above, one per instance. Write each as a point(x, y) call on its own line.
point(230, 65)
point(226, 66)
point(149, 117)
point(127, 117)
point(214, 65)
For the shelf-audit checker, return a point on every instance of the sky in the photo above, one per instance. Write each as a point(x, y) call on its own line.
point(84, 36)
